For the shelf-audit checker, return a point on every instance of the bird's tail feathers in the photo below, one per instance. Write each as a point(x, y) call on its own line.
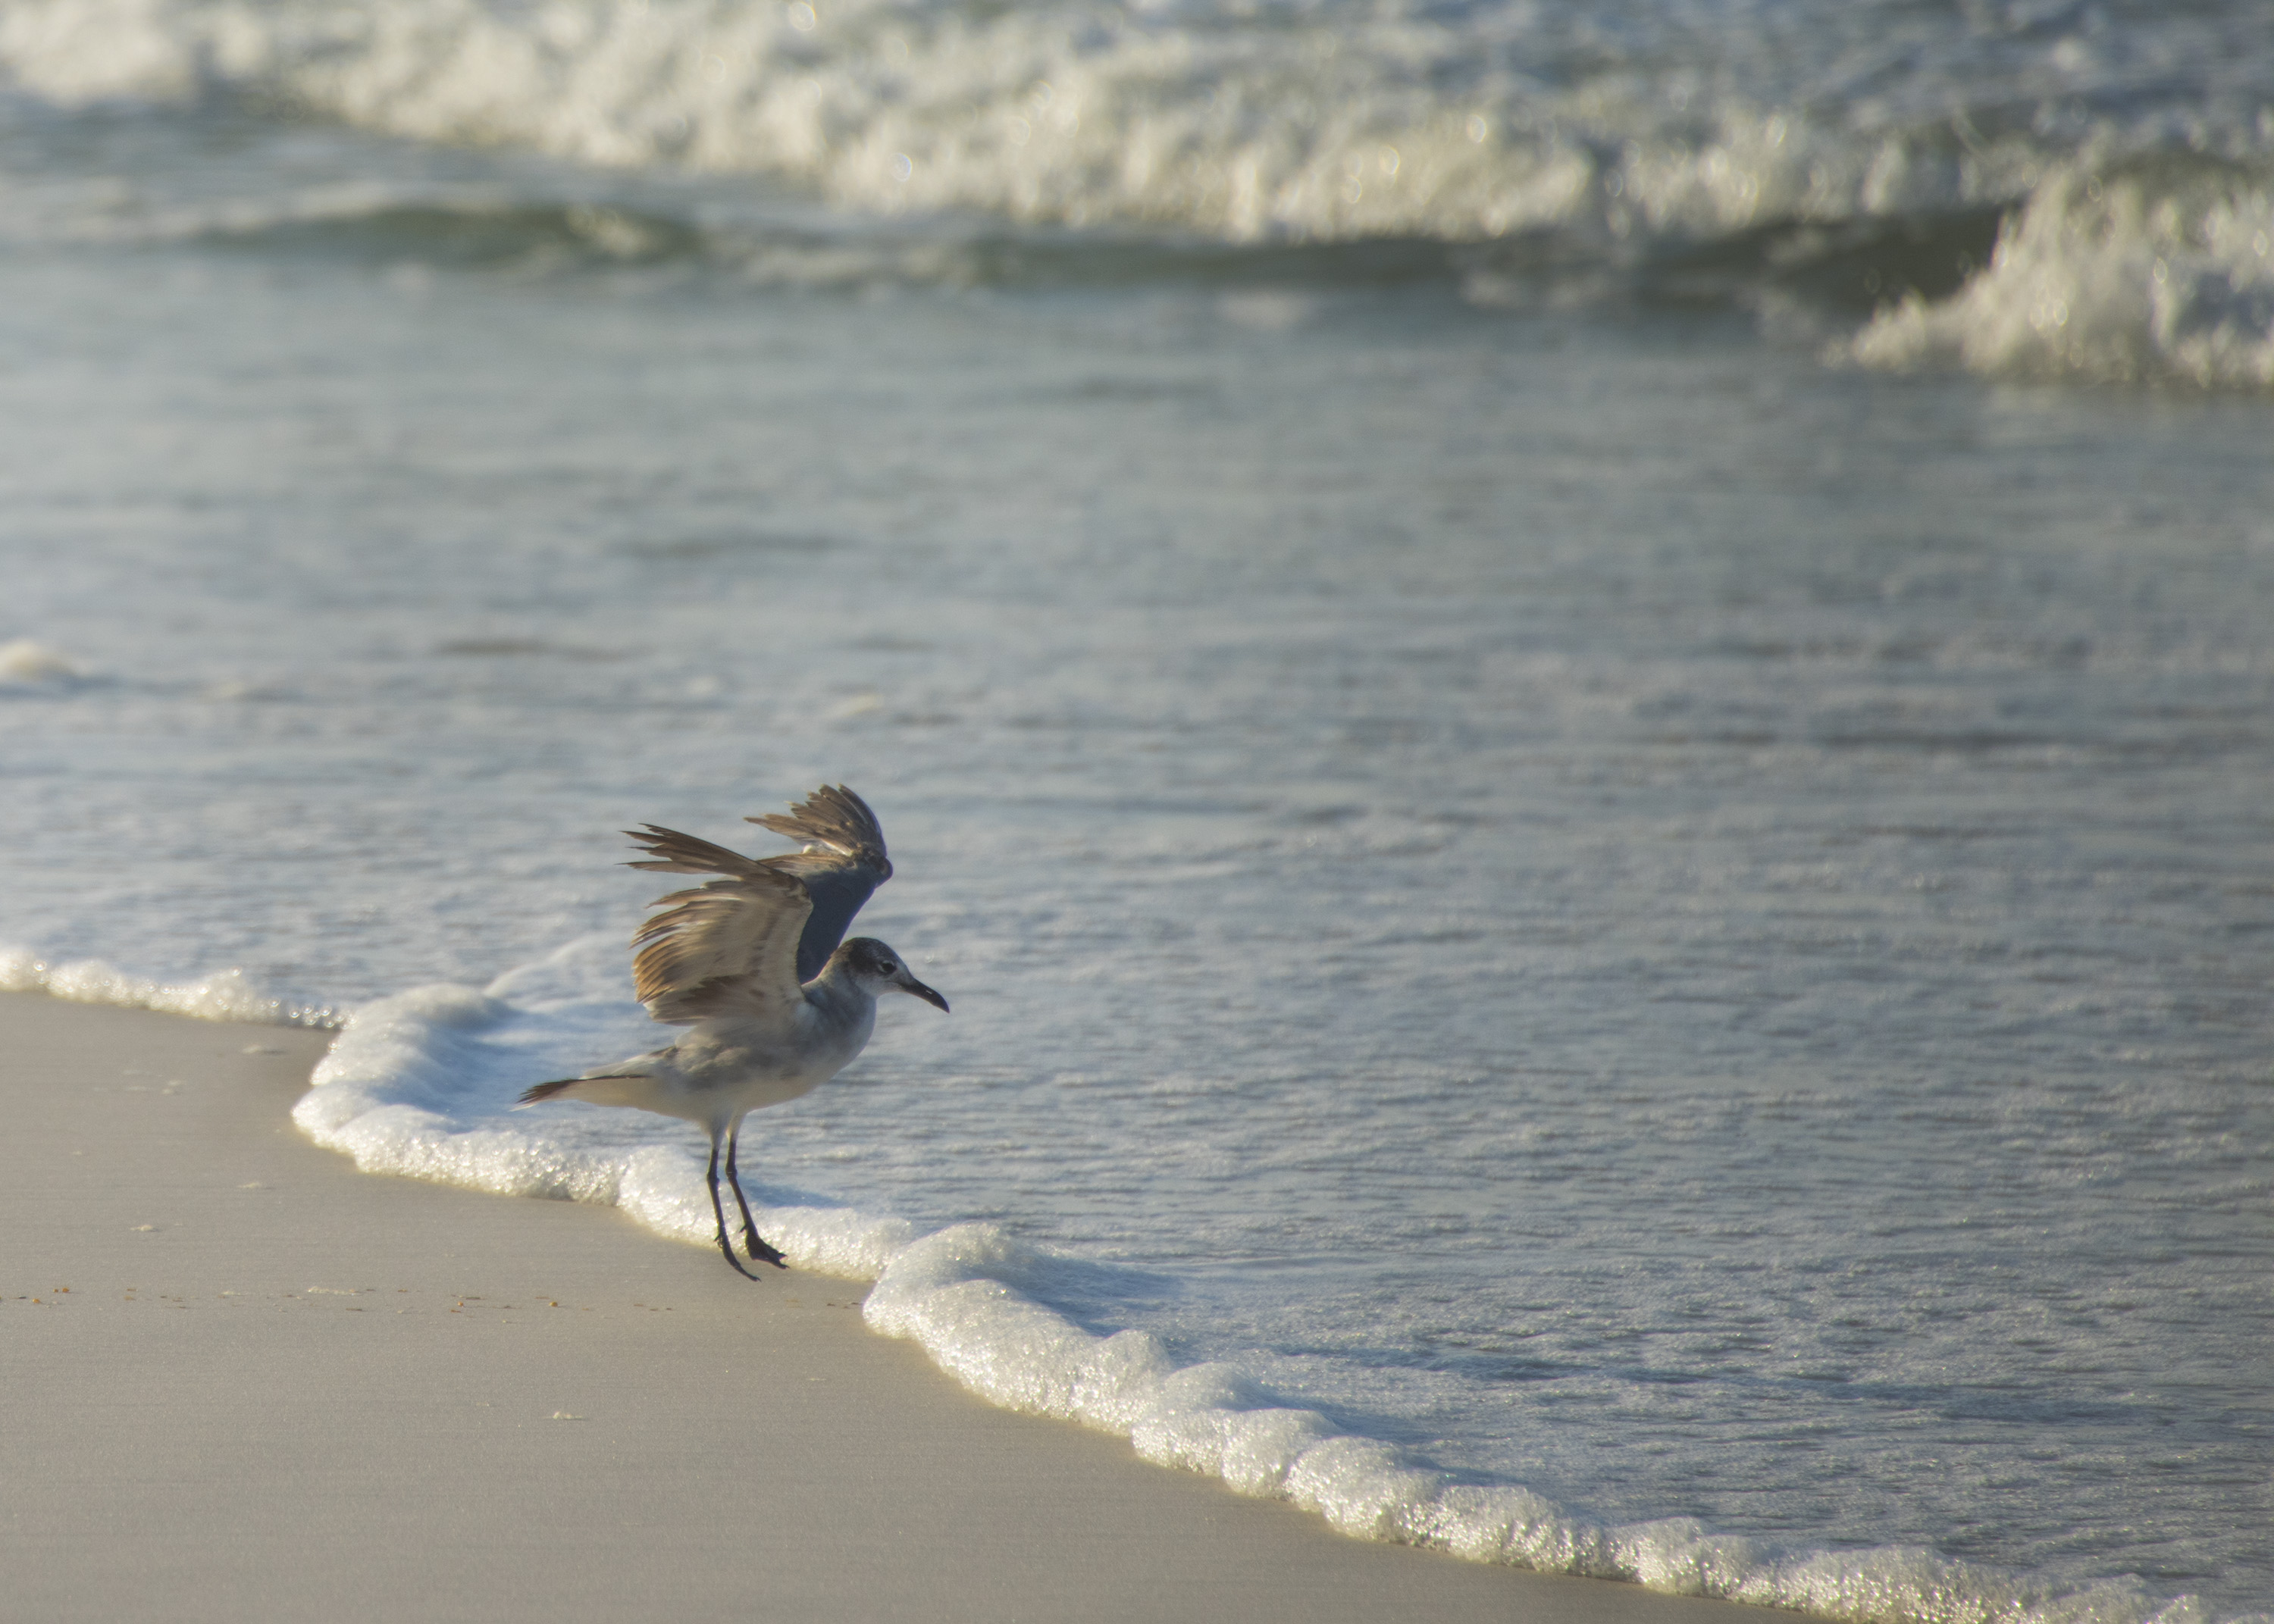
point(595, 1089)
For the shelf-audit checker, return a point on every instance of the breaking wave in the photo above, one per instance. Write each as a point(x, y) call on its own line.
point(1752, 151)
point(2149, 274)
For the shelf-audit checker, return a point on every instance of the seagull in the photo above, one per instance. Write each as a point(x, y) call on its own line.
point(754, 965)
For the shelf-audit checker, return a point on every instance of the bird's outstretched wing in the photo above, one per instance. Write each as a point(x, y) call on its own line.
point(727, 948)
point(842, 864)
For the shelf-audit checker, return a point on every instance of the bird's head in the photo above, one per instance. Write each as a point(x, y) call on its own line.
point(876, 967)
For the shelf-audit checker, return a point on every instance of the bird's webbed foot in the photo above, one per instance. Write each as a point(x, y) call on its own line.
point(762, 1250)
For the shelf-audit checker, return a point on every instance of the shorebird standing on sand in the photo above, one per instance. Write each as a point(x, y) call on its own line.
point(752, 963)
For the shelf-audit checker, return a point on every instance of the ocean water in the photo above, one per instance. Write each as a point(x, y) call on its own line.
point(1579, 704)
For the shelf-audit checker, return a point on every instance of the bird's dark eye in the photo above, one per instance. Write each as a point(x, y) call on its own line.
point(886, 966)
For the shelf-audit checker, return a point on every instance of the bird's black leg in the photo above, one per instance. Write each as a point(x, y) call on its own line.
point(763, 1251)
point(719, 1212)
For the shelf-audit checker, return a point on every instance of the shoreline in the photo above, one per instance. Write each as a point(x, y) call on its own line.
point(535, 1411)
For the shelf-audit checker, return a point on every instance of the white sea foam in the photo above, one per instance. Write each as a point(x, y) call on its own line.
point(1050, 113)
point(421, 1084)
point(2122, 278)
point(227, 995)
point(1329, 124)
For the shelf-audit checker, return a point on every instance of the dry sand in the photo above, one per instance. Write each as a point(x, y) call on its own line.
point(246, 1382)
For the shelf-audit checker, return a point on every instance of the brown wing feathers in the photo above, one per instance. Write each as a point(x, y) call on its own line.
point(728, 947)
point(835, 816)
point(679, 854)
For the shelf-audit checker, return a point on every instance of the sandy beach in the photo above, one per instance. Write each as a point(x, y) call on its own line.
point(249, 1382)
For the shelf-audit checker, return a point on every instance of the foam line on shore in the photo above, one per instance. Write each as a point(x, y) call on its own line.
point(379, 1370)
point(227, 995)
point(423, 1083)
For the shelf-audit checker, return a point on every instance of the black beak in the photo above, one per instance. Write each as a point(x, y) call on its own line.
point(908, 984)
